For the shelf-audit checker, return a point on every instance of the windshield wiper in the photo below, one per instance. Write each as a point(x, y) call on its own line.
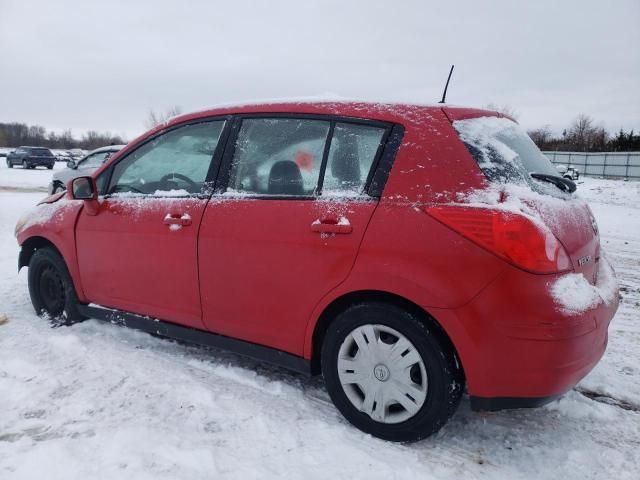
point(563, 184)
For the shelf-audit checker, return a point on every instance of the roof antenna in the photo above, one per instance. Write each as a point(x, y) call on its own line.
point(444, 94)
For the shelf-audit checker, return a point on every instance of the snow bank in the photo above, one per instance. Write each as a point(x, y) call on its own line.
point(575, 295)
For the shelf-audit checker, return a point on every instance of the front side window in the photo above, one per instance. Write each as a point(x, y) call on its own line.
point(353, 150)
point(278, 156)
point(175, 163)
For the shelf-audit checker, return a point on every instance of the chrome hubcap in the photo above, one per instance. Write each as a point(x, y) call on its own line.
point(382, 373)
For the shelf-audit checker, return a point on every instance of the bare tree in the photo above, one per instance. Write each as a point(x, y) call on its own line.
point(541, 136)
point(583, 135)
point(156, 118)
point(504, 109)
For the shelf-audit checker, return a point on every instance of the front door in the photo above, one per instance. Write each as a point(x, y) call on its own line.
point(287, 227)
point(139, 252)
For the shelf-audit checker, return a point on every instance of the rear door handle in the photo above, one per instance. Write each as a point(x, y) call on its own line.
point(332, 225)
point(180, 220)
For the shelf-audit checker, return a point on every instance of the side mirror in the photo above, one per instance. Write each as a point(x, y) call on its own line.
point(84, 188)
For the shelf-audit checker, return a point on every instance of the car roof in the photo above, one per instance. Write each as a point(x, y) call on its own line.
point(371, 110)
point(404, 113)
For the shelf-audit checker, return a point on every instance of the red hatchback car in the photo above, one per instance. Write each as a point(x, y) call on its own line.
point(401, 251)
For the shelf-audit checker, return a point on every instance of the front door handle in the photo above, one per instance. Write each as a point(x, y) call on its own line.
point(332, 225)
point(174, 220)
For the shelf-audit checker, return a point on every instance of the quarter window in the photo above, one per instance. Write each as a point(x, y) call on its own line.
point(174, 163)
point(278, 156)
point(353, 150)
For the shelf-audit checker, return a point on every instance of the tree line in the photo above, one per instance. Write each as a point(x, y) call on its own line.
point(584, 135)
point(17, 134)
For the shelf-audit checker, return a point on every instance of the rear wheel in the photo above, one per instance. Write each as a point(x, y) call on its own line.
point(51, 288)
point(388, 374)
point(50, 167)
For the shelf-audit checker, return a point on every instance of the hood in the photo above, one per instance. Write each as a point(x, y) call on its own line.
point(68, 174)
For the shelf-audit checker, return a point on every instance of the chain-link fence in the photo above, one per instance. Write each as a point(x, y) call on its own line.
point(612, 164)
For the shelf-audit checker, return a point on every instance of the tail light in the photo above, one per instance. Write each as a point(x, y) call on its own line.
point(512, 236)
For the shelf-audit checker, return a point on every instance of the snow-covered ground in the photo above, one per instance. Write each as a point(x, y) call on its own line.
point(19, 179)
point(98, 401)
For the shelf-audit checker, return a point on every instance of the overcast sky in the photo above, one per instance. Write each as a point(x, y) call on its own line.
point(102, 65)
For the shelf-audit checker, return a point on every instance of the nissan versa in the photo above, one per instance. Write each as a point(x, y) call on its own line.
point(404, 252)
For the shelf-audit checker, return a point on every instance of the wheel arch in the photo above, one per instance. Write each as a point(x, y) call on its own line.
point(34, 242)
point(29, 247)
point(341, 303)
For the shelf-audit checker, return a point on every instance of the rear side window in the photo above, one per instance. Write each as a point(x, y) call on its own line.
point(503, 151)
point(292, 157)
point(353, 150)
point(278, 156)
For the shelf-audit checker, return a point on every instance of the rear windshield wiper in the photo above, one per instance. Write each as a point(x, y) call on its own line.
point(563, 184)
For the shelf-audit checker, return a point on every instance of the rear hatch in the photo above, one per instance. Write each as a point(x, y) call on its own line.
point(512, 163)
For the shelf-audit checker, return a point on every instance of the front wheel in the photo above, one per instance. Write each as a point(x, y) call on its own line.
point(25, 165)
point(9, 164)
point(51, 289)
point(389, 374)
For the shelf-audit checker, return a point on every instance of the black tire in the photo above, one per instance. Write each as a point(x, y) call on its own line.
point(9, 164)
point(25, 165)
point(445, 378)
point(50, 167)
point(51, 288)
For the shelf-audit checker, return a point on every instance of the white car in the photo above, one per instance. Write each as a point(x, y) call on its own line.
point(83, 167)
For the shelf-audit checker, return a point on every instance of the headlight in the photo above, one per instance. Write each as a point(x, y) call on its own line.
point(22, 221)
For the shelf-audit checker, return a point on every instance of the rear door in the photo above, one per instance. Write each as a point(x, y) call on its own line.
point(285, 223)
point(139, 252)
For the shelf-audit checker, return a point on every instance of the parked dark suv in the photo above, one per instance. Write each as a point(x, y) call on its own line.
point(31, 157)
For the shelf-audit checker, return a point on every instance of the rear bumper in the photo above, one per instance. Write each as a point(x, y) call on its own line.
point(519, 349)
point(40, 162)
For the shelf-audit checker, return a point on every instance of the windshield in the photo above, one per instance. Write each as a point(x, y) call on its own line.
point(503, 151)
point(94, 160)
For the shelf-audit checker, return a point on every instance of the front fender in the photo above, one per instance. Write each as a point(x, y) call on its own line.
point(52, 223)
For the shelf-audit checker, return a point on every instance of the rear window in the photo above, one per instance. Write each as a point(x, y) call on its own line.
point(504, 152)
point(41, 152)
